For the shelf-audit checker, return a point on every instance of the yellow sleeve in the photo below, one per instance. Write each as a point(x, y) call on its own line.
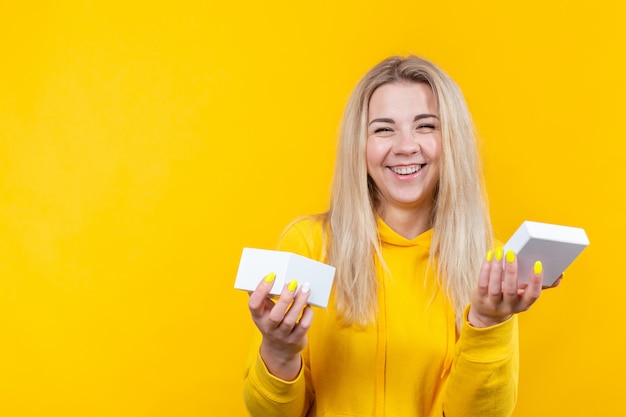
point(485, 371)
point(264, 394)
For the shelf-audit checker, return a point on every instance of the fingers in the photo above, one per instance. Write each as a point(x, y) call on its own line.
point(495, 278)
point(300, 304)
point(491, 282)
point(304, 324)
point(533, 290)
point(286, 313)
point(289, 311)
point(509, 283)
point(498, 293)
point(277, 312)
point(483, 277)
point(306, 319)
point(258, 298)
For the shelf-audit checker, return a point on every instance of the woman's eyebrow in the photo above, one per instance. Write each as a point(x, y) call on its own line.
point(381, 120)
point(425, 116)
point(418, 117)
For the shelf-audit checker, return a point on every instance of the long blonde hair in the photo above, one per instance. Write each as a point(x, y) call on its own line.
point(462, 229)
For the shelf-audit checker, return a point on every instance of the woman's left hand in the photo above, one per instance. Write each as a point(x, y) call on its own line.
point(495, 299)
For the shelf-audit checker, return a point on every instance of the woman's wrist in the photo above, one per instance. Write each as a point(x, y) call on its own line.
point(285, 367)
point(480, 321)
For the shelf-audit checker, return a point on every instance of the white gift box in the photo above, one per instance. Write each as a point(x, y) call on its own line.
point(257, 263)
point(554, 245)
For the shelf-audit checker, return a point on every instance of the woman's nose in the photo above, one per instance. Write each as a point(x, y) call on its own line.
point(406, 143)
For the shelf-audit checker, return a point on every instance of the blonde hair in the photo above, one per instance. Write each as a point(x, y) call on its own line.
point(462, 229)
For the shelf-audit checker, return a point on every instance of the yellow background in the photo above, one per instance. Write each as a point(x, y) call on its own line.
point(143, 144)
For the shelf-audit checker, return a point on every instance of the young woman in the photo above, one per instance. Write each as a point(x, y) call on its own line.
point(421, 320)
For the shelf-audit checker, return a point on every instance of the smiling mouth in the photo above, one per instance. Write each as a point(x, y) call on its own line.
point(407, 170)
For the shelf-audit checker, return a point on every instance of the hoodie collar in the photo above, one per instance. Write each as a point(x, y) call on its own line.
point(389, 236)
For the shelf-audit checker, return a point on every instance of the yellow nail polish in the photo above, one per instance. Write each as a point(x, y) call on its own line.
point(489, 256)
point(510, 256)
point(269, 278)
point(499, 254)
point(538, 267)
point(293, 284)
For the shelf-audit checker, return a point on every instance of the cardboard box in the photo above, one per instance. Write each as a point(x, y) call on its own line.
point(554, 245)
point(256, 263)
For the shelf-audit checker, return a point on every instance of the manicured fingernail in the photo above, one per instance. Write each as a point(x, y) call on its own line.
point(305, 288)
point(499, 254)
point(510, 256)
point(538, 267)
point(293, 284)
point(269, 278)
point(489, 256)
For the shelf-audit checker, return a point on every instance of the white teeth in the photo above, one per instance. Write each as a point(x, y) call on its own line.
point(406, 170)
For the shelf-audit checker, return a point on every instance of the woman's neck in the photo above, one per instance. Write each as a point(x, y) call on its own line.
point(407, 223)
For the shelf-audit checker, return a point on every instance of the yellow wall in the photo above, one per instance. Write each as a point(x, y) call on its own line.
point(142, 146)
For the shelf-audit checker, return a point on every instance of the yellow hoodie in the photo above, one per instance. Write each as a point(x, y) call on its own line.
point(409, 363)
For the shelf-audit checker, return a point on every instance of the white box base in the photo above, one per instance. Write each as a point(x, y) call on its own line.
point(256, 263)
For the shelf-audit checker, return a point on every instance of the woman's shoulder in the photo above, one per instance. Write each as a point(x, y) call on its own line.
point(305, 236)
point(307, 224)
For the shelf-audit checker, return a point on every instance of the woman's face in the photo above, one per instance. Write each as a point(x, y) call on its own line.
point(404, 145)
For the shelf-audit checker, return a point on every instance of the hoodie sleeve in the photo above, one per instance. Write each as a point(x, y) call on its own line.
point(485, 371)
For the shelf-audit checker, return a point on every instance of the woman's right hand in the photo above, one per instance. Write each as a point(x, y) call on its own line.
point(283, 324)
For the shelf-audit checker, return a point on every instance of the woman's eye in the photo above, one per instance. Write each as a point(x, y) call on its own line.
point(426, 128)
point(383, 129)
